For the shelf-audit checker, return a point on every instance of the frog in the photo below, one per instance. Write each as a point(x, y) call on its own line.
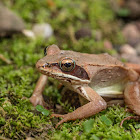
point(95, 77)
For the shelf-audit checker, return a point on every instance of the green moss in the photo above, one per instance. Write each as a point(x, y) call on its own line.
point(18, 118)
point(98, 127)
point(102, 17)
point(101, 12)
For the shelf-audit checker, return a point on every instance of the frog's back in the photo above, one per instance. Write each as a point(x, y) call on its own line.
point(92, 59)
point(103, 59)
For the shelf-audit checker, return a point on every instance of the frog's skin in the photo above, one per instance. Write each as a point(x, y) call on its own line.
point(92, 76)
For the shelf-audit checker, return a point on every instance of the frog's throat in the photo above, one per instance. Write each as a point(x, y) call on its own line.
point(82, 92)
point(62, 76)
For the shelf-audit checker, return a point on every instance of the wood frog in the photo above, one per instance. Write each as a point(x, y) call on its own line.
point(94, 77)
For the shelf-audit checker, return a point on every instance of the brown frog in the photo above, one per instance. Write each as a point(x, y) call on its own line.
point(93, 77)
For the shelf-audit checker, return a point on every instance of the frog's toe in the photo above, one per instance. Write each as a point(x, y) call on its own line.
point(60, 122)
point(57, 115)
point(65, 118)
point(129, 118)
point(37, 100)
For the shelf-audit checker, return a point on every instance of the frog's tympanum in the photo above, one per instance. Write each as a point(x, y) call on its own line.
point(94, 77)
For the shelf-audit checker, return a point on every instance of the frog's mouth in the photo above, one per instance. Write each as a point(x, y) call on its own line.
point(53, 70)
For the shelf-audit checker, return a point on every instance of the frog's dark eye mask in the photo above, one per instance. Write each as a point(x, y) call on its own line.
point(67, 64)
point(68, 67)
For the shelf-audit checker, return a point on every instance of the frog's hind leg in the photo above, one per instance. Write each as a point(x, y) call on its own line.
point(95, 105)
point(132, 99)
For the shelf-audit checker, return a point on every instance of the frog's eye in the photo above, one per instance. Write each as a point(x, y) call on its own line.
point(45, 51)
point(67, 64)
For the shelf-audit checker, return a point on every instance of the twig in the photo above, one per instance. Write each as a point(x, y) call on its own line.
point(5, 59)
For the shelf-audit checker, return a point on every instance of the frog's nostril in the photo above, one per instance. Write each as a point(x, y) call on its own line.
point(45, 65)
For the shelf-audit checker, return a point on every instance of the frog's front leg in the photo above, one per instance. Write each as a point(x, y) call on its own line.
point(37, 98)
point(95, 105)
point(132, 99)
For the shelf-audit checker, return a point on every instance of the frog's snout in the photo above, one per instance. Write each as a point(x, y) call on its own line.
point(40, 63)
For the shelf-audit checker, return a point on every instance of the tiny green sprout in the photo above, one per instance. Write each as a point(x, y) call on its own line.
point(93, 137)
point(123, 12)
point(42, 110)
point(88, 125)
point(137, 126)
point(106, 120)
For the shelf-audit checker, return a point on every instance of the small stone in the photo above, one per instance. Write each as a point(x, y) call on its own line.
point(138, 49)
point(134, 8)
point(108, 45)
point(129, 53)
point(29, 33)
point(43, 30)
point(127, 49)
point(138, 24)
point(131, 58)
point(83, 32)
point(10, 23)
point(131, 34)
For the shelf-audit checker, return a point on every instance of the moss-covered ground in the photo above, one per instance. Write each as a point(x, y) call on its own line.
point(18, 118)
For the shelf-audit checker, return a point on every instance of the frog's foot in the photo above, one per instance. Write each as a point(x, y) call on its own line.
point(65, 119)
point(129, 118)
point(84, 111)
point(37, 100)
